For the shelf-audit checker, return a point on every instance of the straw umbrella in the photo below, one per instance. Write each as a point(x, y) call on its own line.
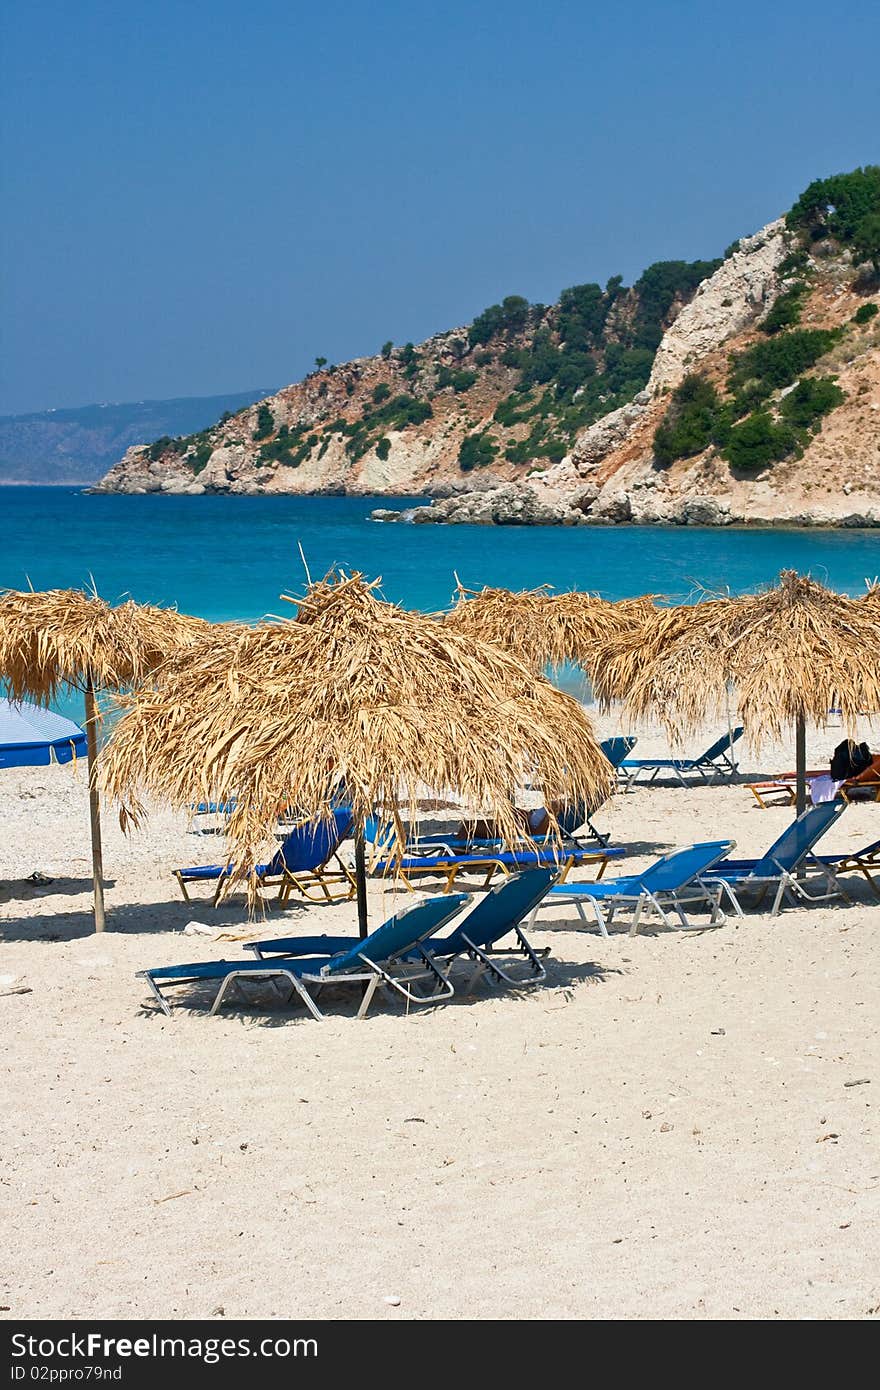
point(793, 652)
point(355, 698)
point(64, 639)
point(543, 628)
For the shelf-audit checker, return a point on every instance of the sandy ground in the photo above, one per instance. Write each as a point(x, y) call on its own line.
point(667, 1129)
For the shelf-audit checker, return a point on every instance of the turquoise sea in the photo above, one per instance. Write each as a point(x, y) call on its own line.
point(231, 557)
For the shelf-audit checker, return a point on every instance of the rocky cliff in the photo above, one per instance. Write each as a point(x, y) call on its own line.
point(738, 391)
point(494, 400)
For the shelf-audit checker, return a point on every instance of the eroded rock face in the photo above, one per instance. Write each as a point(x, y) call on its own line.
point(736, 296)
point(606, 434)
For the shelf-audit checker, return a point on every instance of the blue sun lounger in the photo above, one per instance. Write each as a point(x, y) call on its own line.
point(449, 861)
point(497, 914)
point(710, 767)
point(779, 865)
point(392, 956)
point(300, 862)
point(617, 750)
point(668, 883)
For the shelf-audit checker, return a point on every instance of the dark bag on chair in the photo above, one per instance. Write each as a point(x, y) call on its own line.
point(849, 759)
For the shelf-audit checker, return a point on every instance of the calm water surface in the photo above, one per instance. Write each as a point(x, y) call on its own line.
point(231, 557)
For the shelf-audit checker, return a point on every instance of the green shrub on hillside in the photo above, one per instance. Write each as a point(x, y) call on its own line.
point(626, 369)
point(583, 314)
point(510, 316)
point(840, 206)
point(383, 448)
point(812, 398)
point(514, 409)
point(689, 425)
point(381, 393)
point(866, 241)
point(657, 289)
point(768, 366)
point(265, 423)
point(864, 313)
point(394, 414)
point(758, 441)
point(794, 263)
point(204, 450)
point(459, 380)
point(159, 447)
point(475, 451)
point(573, 370)
point(786, 312)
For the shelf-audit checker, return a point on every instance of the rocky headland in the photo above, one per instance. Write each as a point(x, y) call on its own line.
point(739, 391)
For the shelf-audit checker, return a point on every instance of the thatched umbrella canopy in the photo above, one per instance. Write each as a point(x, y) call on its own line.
point(64, 639)
point(543, 628)
point(623, 658)
point(356, 697)
point(793, 652)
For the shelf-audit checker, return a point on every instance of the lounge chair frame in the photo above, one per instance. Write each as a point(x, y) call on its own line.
point(787, 883)
point(486, 962)
point(703, 892)
point(374, 977)
point(862, 861)
point(715, 765)
point(318, 885)
point(491, 865)
point(475, 943)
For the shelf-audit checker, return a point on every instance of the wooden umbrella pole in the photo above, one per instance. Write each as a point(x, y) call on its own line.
point(801, 763)
point(360, 872)
point(94, 805)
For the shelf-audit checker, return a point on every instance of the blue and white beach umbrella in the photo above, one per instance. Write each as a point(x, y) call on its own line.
point(33, 737)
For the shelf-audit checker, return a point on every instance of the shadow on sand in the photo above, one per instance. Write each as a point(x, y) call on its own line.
point(131, 918)
point(259, 1004)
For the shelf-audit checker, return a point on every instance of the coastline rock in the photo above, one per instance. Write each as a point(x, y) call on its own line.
point(501, 506)
point(704, 511)
point(614, 505)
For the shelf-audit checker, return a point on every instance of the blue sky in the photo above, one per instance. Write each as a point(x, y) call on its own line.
point(201, 196)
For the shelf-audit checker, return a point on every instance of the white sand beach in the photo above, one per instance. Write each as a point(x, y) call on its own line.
point(677, 1125)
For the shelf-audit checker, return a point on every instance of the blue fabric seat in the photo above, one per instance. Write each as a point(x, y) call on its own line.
point(671, 881)
point(712, 766)
point(498, 913)
point(392, 956)
point(778, 867)
point(301, 863)
point(489, 859)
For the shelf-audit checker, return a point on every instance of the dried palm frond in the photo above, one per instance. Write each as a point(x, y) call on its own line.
point(543, 628)
point(67, 638)
point(619, 661)
point(793, 652)
point(355, 697)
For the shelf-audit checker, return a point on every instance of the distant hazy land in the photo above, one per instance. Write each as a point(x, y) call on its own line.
point(78, 445)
